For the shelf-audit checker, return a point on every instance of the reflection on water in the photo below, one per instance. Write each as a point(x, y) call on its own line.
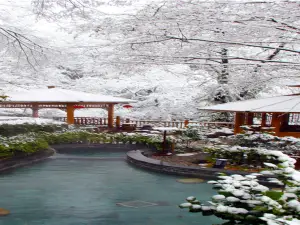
point(93, 158)
point(84, 189)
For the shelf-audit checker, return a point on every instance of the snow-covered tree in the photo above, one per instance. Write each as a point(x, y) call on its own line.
point(244, 46)
point(220, 51)
point(240, 42)
point(17, 40)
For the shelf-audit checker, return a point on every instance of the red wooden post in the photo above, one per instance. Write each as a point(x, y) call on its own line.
point(238, 121)
point(110, 115)
point(250, 117)
point(70, 113)
point(35, 111)
point(164, 141)
point(173, 147)
point(276, 122)
point(186, 123)
point(118, 122)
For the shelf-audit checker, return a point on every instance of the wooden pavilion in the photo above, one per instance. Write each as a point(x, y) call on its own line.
point(67, 100)
point(281, 114)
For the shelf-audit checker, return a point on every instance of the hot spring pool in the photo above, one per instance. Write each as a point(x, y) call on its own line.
point(85, 189)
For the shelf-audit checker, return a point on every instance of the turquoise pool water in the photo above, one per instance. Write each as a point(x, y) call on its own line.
point(85, 189)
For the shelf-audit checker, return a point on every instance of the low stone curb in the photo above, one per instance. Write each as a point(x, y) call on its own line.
point(20, 161)
point(137, 158)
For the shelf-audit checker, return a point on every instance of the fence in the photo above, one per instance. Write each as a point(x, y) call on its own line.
point(85, 120)
point(140, 123)
point(181, 124)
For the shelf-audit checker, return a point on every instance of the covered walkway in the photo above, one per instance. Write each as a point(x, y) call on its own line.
point(67, 100)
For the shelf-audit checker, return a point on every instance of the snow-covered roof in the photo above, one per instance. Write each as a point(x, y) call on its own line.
point(51, 95)
point(289, 103)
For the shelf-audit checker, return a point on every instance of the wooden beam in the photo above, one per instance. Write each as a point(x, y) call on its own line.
point(70, 113)
point(238, 121)
point(110, 115)
point(9, 104)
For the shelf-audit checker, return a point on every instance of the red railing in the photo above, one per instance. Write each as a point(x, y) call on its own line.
point(85, 120)
point(181, 124)
point(140, 123)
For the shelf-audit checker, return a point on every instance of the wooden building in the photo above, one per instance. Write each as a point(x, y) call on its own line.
point(281, 114)
point(66, 100)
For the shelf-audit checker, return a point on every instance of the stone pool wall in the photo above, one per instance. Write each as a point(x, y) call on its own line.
point(24, 160)
point(137, 158)
point(136, 155)
point(65, 148)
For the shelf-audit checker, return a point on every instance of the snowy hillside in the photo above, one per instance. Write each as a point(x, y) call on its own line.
point(90, 49)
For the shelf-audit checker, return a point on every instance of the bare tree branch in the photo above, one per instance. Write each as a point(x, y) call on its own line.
point(26, 46)
point(157, 10)
point(228, 42)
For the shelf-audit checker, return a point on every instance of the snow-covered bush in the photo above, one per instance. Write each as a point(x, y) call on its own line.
point(266, 141)
point(243, 200)
point(192, 132)
point(10, 146)
point(238, 155)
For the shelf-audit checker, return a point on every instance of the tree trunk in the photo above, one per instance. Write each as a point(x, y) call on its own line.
point(222, 93)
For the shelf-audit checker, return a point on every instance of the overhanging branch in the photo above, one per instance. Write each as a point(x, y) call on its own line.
point(26, 46)
point(229, 42)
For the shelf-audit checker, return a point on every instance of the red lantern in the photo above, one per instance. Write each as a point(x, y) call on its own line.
point(78, 107)
point(127, 106)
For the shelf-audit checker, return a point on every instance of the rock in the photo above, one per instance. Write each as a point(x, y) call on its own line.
point(147, 127)
point(4, 212)
point(218, 134)
point(190, 180)
point(276, 189)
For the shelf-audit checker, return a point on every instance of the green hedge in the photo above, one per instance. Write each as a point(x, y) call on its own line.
point(87, 137)
point(33, 142)
point(21, 144)
point(8, 130)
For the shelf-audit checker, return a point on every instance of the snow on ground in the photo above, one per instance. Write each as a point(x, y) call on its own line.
point(22, 120)
point(186, 154)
